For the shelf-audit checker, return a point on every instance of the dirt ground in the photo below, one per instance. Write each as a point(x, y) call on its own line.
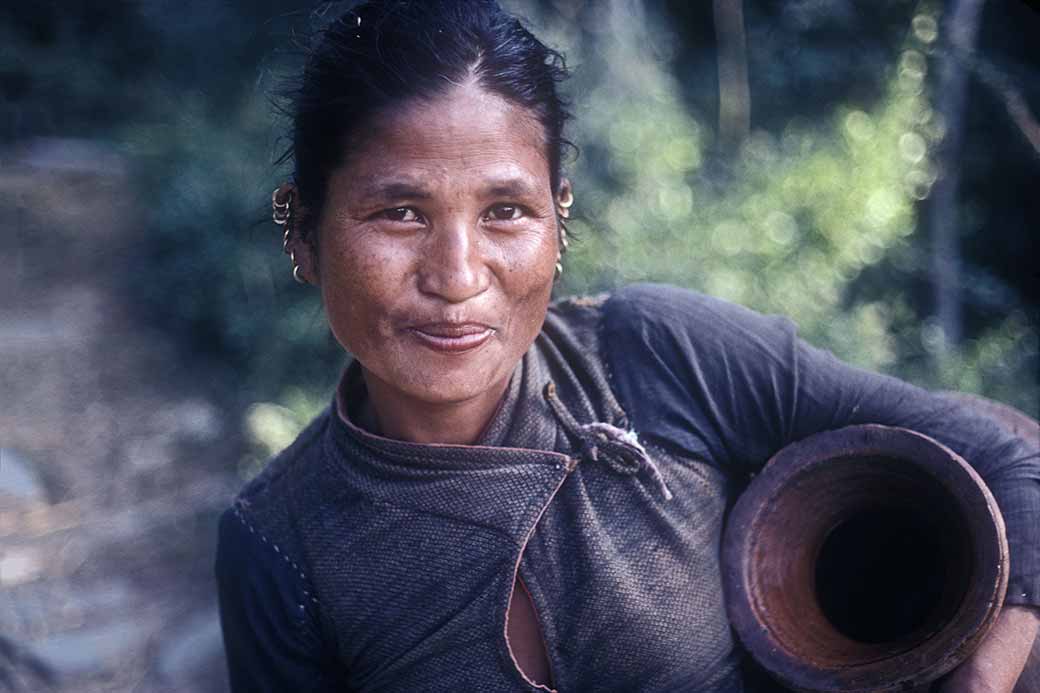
point(117, 453)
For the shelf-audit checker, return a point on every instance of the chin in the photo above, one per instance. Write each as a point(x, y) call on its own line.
point(451, 393)
point(427, 376)
point(448, 384)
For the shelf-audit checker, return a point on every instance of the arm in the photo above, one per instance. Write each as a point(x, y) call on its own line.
point(1000, 659)
point(1009, 465)
point(732, 387)
point(270, 640)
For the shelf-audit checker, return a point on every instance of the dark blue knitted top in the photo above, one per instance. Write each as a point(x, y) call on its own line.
point(358, 563)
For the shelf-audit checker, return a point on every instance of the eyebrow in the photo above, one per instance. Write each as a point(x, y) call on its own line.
point(511, 187)
point(384, 189)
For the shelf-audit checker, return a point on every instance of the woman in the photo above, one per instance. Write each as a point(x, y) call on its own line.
point(507, 495)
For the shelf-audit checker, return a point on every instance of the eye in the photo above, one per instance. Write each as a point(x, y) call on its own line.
point(404, 215)
point(504, 212)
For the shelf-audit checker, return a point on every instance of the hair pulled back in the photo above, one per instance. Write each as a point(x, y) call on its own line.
point(382, 53)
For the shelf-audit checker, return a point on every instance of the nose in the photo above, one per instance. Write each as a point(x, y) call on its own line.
point(454, 267)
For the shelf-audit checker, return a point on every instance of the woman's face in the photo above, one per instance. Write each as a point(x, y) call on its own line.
point(438, 243)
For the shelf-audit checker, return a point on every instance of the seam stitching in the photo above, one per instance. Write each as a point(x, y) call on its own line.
point(263, 538)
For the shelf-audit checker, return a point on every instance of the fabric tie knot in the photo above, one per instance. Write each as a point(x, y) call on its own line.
point(602, 442)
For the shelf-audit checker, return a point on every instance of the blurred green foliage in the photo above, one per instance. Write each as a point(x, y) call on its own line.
point(789, 225)
point(271, 427)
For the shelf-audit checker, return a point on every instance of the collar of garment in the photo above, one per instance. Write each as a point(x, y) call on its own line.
point(516, 458)
point(522, 420)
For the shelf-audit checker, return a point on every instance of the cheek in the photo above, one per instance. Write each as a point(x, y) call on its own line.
point(529, 274)
point(366, 261)
point(530, 254)
point(360, 283)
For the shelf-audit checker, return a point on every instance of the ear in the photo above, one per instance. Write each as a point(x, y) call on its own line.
point(305, 253)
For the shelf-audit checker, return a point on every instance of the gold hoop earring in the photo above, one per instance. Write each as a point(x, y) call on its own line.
point(564, 205)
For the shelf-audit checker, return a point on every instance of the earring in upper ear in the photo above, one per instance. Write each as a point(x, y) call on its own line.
point(281, 206)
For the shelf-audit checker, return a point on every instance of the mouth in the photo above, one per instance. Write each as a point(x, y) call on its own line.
point(452, 337)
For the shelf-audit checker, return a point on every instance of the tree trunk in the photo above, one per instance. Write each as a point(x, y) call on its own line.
point(960, 28)
point(734, 94)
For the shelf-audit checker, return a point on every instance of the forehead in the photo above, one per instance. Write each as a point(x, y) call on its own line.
point(464, 135)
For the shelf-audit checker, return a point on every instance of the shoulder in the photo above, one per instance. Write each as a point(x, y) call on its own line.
point(696, 373)
point(660, 325)
point(269, 612)
point(268, 507)
point(650, 301)
point(636, 306)
point(675, 307)
point(259, 552)
point(580, 316)
point(286, 468)
point(665, 318)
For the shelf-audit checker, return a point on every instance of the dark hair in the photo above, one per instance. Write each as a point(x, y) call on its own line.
point(383, 52)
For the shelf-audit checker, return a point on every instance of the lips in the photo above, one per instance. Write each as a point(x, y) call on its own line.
point(452, 336)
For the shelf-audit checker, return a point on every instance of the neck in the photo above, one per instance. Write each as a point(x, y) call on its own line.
point(401, 417)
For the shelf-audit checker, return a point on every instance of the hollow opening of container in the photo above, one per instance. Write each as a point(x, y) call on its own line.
point(861, 560)
point(883, 574)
